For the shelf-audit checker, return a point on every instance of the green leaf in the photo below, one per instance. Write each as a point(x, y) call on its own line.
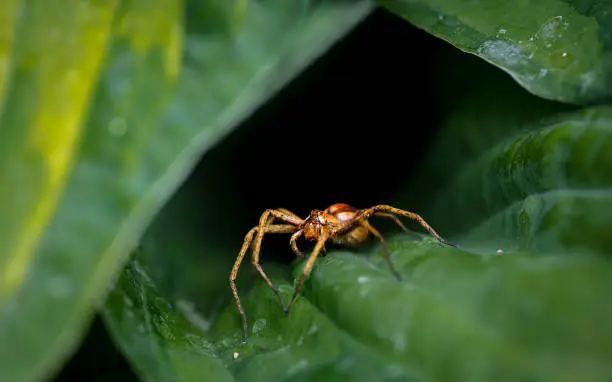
point(521, 316)
point(557, 49)
point(474, 119)
point(171, 343)
point(547, 190)
point(106, 107)
point(461, 316)
point(523, 298)
point(521, 185)
point(160, 340)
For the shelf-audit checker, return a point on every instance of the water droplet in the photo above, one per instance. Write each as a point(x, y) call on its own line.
point(259, 324)
point(394, 371)
point(345, 363)
point(587, 80)
point(190, 312)
point(399, 342)
point(561, 60)
point(128, 301)
point(502, 51)
point(117, 127)
point(59, 286)
point(552, 28)
point(298, 366)
point(313, 329)
point(363, 279)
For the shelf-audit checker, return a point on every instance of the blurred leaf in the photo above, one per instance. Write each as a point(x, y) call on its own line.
point(106, 108)
point(557, 49)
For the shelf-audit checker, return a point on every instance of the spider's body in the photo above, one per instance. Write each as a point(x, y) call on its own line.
point(331, 221)
point(340, 223)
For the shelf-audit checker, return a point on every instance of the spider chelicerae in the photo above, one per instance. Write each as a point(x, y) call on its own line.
point(340, 223)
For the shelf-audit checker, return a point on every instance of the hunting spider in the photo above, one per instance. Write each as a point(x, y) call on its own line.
point(340, 223)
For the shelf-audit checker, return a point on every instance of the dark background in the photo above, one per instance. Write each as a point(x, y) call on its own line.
point(323, 139)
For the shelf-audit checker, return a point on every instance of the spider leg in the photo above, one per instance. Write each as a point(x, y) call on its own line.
point(384, 247)
point(252, 280)
point(398, 222)
point(284, 228)
point(269, 222)
point(285, 212)
point(263, 220)
point(394, 218)
point(293, 243)
point(309, 264)
point(266, 218)
point(366, 213)
point(254, 268)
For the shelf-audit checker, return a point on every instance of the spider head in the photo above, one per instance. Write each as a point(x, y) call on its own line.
point(316, 223)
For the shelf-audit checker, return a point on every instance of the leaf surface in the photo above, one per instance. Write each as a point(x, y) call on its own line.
point(557, 49)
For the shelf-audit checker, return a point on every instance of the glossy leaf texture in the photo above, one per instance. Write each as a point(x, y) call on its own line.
point(105, 108)
point(521, 315)
point(159, 339)
point(557, 49)
point(547, 190)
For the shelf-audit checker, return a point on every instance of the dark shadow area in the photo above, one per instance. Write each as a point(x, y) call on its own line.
point(97, 360)
point(351, 128)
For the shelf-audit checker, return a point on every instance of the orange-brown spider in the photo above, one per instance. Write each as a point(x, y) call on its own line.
point(340, 223)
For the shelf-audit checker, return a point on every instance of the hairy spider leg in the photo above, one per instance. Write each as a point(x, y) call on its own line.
point(293, 243)
point(395, 219)
point(365, 214)
point(383, 245)
point(313, 256)
point(259, 238)
point(296, 235)
point(278, 228)
point(271, 219)
point(287, 212)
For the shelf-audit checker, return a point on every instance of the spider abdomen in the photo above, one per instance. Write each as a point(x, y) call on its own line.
point(352, 238)
point(342, 211)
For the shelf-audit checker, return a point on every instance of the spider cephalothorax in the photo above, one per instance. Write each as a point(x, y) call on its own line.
point(317, 222)
point(340, 223)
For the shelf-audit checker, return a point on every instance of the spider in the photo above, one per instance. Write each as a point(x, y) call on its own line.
point(340, 223)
